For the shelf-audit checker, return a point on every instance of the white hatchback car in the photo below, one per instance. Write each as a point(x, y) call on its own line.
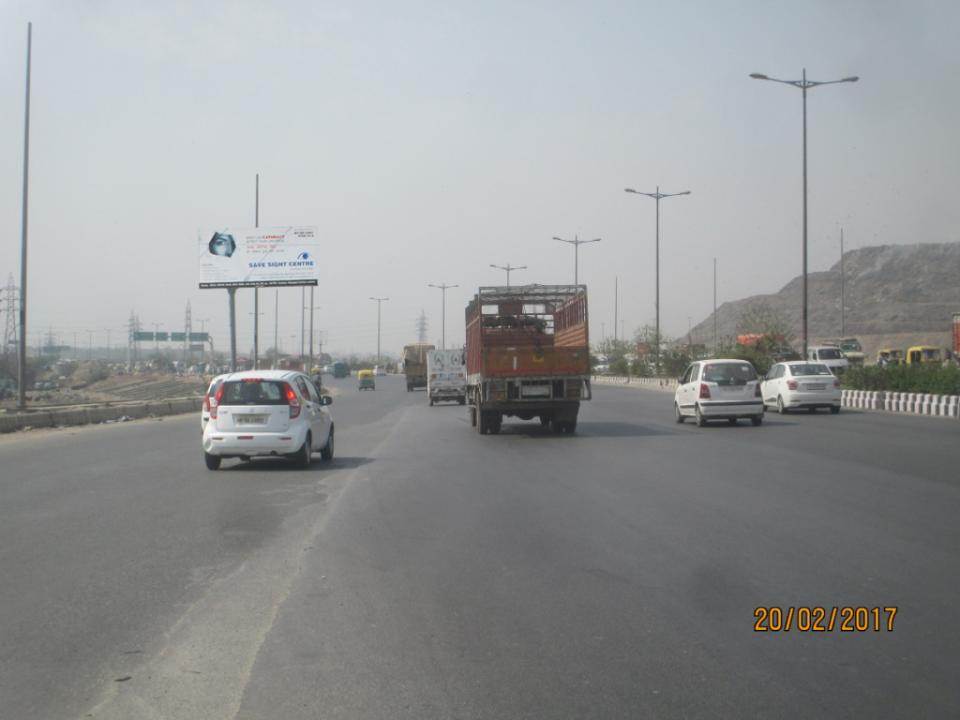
point(719, 390)
point(268, 413)
point(801, 384)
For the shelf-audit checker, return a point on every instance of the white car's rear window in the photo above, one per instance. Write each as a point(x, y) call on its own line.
point(729, 373)
point(801, 369)
point(253, 392)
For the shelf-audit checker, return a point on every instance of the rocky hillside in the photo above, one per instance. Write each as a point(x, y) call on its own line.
point(902, 290)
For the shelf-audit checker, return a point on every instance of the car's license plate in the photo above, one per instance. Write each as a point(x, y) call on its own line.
point(250, 419)
point(814, 386)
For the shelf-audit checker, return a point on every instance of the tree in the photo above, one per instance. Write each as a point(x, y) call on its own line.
point(763, 319)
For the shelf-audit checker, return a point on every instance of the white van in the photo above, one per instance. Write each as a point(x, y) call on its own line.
point(446, 376)
point(829, 355)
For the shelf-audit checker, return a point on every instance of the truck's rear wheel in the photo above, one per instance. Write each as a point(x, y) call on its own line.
point(545, 420)
point(496, 421)
point(473, 417)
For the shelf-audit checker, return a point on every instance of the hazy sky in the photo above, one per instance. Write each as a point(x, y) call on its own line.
point(428, 140)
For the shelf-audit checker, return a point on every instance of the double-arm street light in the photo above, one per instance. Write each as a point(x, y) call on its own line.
point(508, 267)
point(804, 85)
point(377, 300)
point(443, 287)
point(576, 242)
point(658, 196)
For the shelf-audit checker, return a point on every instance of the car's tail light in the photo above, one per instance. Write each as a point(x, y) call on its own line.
point(704, 391)
point(792, 384)
point(215, 402)
point(836, 383)
point(756, 390)
point(292, 400)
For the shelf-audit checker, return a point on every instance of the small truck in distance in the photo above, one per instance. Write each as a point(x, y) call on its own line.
point(528, 355)
point(446, 380)
point(415, 364)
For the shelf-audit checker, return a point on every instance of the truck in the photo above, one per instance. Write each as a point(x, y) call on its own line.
point(446, 376)
point(415, 364)
point(341, 369)
point(528, 355)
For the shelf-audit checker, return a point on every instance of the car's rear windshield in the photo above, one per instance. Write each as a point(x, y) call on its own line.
point(729, 373)
point(253, 392)
point(801, 369)
point(829, 354)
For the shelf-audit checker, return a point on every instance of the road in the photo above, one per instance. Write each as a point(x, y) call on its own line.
point(429, 572)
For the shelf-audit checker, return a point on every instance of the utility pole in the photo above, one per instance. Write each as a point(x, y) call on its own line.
point(509, 268)
point(22, 360)
point(276, 328)
point(303, 321)
point(378, 300)
point(843, 306)
point(616, 304)
point(658, 196)
point(443, 287)
point(311, 327)
point(256, 290)
point(576, 242)
point(716, 323)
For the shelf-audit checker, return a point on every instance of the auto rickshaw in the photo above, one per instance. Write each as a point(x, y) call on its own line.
point(365, 380)
point(924, 355)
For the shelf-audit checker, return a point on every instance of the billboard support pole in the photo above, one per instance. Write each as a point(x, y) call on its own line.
point(232, 292)
point(311, 328)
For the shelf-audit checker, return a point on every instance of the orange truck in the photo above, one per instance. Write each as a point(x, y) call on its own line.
point(528, 355)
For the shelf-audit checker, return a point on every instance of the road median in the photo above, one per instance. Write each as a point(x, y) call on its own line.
point(94, 414)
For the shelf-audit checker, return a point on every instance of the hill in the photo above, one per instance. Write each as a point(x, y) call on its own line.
point(897, 294)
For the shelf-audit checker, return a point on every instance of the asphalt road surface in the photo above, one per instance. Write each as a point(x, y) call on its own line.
point(430, 572)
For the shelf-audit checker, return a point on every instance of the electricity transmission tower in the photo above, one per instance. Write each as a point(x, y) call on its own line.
point(422, 327)
point(8, 306)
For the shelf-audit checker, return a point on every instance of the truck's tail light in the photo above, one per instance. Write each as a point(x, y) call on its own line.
point(792, 384)
point(214, 402)
point(704, 391)
point(292, 400)
point(573, 389)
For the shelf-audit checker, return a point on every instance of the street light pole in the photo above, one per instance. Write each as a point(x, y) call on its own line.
point(843, 307)
point(22, 350)
point(443, 287)
point(658, 196)
point(508, 267)
point(576, 242)
point(378, 300)
point(804, 85)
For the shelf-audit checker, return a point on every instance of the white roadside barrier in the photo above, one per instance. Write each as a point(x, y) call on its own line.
point(885, 401)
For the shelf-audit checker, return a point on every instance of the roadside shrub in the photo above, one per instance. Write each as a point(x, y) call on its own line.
point(905, 378)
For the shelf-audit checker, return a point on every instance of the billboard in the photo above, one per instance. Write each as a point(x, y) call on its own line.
point(258, 257)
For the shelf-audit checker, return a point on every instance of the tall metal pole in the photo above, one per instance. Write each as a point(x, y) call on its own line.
point(804, 85)
point(576, 242)
point(508, 267)
point(311, 328)
point(715, 323)
point(657, 303)
point(303, 320)
point(443, 312)
point(843, 305)
point(616, 304)
point(22, 358)
point(806, 338)
point(256, 291)
point(378, 300)
point(232, 294)
point(276, 328)
point(657, 196)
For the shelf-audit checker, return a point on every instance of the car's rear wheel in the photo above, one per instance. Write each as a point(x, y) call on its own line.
point(811, 410)
point(212, 461)
point(732, 421)
point(676, 410)
point(327, 451)
point(701, 420)
point(757, 420)
point(302, 457)
point(835, 410)
point(781, 408)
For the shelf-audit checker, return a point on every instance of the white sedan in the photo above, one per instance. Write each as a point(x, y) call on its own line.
point(719, 390)
point(799, 384)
